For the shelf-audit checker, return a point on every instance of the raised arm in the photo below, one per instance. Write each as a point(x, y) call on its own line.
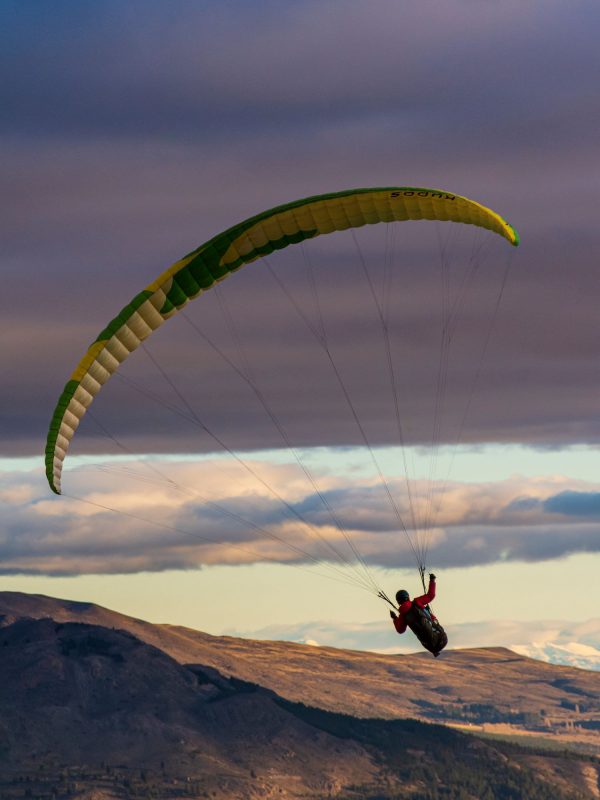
point(430, 596)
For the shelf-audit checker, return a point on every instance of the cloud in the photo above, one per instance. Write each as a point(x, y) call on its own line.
point(123, 516)
point(568, 503)
point(213, 72)
point(501, 400)
point(578, 504)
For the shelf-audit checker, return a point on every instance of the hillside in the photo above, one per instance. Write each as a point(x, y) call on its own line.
point(92, 712)
point(73, 694)
point(488, 689)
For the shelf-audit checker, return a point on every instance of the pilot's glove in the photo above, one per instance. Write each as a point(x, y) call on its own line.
point(431, 576)
point(392, 615)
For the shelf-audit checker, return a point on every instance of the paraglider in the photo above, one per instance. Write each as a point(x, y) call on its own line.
point(246, 242)
point(211, 262)
point(418, 616)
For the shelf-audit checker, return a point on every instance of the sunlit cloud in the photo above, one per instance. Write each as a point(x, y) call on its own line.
point(185, 516)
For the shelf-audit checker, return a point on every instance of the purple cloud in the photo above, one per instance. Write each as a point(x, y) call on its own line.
point(133, 133)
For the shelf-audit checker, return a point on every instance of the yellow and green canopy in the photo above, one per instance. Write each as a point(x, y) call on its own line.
point(211, 262)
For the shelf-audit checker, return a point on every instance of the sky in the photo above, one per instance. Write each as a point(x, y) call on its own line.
point(130, 134)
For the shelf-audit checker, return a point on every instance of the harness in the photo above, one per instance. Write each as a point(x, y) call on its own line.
point(426, 628)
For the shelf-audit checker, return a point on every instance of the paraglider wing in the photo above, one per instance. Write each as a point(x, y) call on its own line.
point(211, 262)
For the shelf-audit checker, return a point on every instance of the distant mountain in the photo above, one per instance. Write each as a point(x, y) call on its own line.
point(573, 645)
point(555, 641)
point(573, 654)
point(94, 701)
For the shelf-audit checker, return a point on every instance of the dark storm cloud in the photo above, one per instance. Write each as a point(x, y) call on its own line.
point(211, 70)
point(133, 132)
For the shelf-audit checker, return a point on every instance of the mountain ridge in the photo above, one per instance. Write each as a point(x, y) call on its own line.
point(90, 711)
point(361, 683)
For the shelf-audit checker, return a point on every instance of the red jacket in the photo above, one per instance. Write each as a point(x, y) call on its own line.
point(422, 601)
